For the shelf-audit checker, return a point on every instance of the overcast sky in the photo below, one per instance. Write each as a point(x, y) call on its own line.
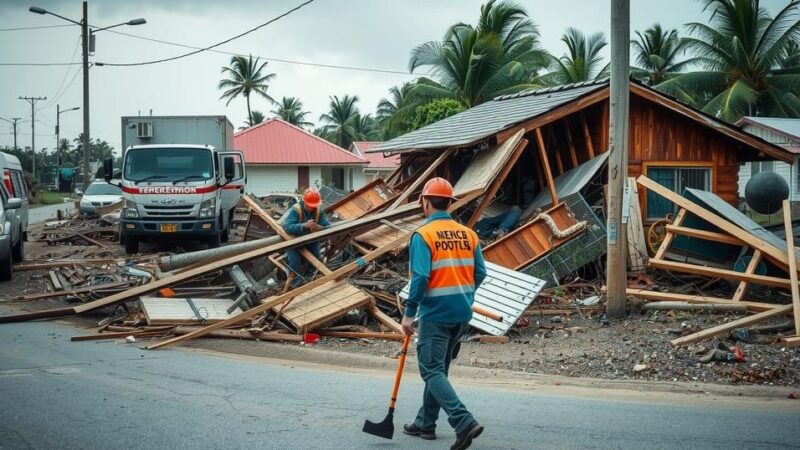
point(377, 34)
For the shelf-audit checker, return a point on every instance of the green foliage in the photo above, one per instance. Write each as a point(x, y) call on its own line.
point(245, 76)
point(49, 198)
point(748, 60)
point(434, 111)
point(257, 118)
point(341, 121)
point(473, 64)
point(393, 115)
point(581, 63)
point(656, 52)
point(290, 109)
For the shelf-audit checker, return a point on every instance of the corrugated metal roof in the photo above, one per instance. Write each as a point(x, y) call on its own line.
point(788, 127)
point(275, 141)
point(489, 118)
point(505, 292)
point(376, 160)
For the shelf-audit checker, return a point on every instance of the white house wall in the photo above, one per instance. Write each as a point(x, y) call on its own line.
point(787, 171)
point(265, 180)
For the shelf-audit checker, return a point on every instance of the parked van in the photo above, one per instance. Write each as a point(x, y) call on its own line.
point(13, 215)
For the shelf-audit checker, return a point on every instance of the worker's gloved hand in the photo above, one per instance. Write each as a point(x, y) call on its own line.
point(408, 325)
point(312, 226)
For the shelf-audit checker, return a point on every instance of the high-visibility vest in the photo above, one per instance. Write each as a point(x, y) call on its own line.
point(301, 212)
point(452, 247)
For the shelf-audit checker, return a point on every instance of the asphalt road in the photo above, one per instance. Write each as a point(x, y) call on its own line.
point(48, 212)
point(102, 394)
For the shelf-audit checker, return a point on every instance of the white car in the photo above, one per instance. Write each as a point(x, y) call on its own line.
point(98, 194)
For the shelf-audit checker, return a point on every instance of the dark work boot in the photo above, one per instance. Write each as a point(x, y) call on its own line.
point(464, 439)
point(413, 430)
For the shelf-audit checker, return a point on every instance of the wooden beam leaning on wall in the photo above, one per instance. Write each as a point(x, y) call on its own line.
point(551, 185)
point(488, 196)
point(285, 299)
point(305, 253)
point(421, 178)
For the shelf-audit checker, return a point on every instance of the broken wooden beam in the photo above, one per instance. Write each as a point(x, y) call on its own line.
point(666, 296)
point(686, 306)
point(361, 335)
point(384, 319)
point(714, 272)
point(726, 327)
point(73, 291)
point(791, 341)
point(787, 221)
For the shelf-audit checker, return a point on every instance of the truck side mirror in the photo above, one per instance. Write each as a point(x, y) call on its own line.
point(229, 170)
point(14, 203)
point(108, 169)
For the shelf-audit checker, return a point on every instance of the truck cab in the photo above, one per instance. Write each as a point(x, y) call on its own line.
point(177, 192)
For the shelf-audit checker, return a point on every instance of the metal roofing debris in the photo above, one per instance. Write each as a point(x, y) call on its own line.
point(486, 119)
point(505, 292)
point(733, 215)
point(572, 181)
point(788, 127)
point(547, 90)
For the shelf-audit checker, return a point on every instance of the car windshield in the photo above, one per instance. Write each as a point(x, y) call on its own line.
point(103, 189)
point(168, 164)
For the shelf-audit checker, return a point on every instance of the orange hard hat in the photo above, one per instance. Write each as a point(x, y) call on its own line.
point(311, 198)
point(437, 187)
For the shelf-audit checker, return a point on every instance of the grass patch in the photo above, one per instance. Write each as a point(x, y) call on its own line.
point(49, 198)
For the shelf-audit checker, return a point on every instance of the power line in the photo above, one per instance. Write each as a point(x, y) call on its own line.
point(41, 64)
point(58, 93)
point(34, 28)
point(287, 61)
point(144, 63)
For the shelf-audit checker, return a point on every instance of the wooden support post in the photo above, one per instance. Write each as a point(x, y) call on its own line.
point(662, 249)
point(423, 177)
point(572, 153)
point(553, 145)
point(751, 269)
point(726, 327)
point(551, 185)
point(586, 136)
point(495, 185)
point(305, 253)
point(787, 222)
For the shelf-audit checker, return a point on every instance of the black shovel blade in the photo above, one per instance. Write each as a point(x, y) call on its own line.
point(383, 429)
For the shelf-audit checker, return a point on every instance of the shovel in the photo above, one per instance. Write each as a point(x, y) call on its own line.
point(385, 429)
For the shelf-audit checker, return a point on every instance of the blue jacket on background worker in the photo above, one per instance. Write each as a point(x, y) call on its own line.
point(306, 216)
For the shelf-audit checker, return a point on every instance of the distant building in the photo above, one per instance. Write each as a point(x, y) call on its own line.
point(782, 132)
point(380, 165)
point(284, 158)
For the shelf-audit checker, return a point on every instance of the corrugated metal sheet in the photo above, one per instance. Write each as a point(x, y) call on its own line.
point(571, 181)
point(788, 128)
point(376, 160)
point(489, 118)
point(711, 201)
point(505, 292)
point(277, 142)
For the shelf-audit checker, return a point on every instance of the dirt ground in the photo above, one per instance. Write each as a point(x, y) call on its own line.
point(567, 346)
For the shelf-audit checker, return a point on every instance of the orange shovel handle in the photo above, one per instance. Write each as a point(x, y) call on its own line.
point(400, 365)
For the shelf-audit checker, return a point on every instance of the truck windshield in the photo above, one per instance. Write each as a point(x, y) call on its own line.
point(168, 164)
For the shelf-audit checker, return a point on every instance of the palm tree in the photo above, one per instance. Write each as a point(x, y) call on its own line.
point(743, 52)
point(393, 114)
point(64, 147)
point(245, 77)
point(340, 121)
point(257, 118)
point(365, 128)
point(656, 52)
point(473, 64)
point(290, 109)
point(583, 61)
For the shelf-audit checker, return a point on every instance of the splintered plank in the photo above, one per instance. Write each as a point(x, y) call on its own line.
point(726, 327)
point(384, 234)
point(366, 199)
point(323, 304)
point(787, 220)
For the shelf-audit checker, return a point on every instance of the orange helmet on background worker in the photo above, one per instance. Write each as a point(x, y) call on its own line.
point(311, 198)
point(437, 187)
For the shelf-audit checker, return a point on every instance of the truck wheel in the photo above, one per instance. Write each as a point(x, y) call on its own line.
point(18, 251)
point(6, 269)
point(131, 245)
point(225, 235)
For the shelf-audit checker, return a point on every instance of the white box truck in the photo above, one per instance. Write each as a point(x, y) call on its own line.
point(178, 191)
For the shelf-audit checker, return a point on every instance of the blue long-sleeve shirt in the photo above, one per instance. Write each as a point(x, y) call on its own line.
point(420, 265)
point(294, 221)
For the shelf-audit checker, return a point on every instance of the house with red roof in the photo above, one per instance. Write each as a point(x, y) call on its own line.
point(283, 158)
point(380, 165)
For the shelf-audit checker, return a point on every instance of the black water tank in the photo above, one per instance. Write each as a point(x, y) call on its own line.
point(765, 192)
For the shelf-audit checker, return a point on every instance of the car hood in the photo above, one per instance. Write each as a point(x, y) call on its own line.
point(101, 198)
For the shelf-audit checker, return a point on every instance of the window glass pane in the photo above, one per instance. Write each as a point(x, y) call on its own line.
point(768, 166)
point(755, 166)
point(19, 190)
point(658, 206)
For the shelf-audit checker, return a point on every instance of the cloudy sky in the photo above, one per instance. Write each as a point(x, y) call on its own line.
point(366, 34)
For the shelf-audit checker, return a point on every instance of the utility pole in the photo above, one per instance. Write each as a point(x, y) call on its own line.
point(86, 138)
point(58, 141)
point(13, 122)
point(32, 101)
point(616, 264)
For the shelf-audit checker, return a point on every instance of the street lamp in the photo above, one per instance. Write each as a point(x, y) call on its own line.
point(84, 24)
point(58, 142)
